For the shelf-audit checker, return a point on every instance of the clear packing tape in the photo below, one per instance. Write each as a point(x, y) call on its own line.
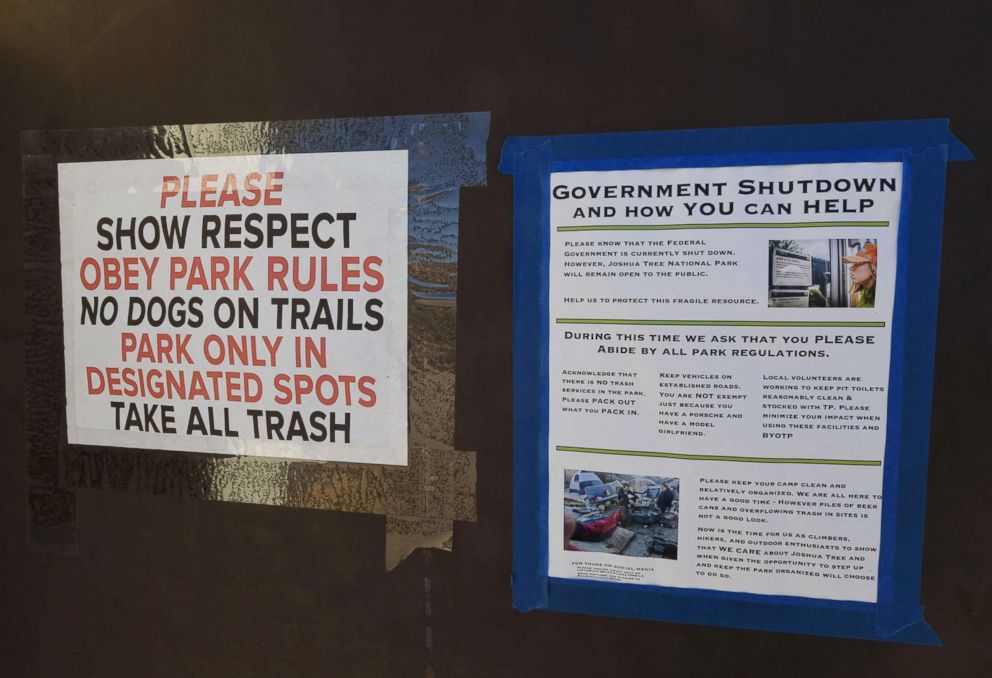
point(422, 500)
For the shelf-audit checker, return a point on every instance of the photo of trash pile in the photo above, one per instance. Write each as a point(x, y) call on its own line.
point(621, 514)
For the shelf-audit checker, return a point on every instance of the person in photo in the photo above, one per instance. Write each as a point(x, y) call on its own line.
point(863, 269)
point(665, 499)
point(626, 499)
point(569, 530)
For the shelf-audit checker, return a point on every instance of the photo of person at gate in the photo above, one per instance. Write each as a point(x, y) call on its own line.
point(834, 273)
point(621, 514)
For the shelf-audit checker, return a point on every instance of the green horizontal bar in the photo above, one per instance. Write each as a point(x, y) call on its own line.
point(720, 457)
point(685, 227)
point(721, 323)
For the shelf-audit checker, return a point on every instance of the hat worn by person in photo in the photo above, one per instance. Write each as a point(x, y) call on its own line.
point(867, 255)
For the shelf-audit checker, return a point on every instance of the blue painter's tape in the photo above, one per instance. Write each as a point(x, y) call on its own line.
point(530, 379)
point(907, 135)
point(914, 323)
point(924, 147)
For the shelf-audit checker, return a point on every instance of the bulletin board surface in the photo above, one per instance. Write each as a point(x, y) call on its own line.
point(173, 585)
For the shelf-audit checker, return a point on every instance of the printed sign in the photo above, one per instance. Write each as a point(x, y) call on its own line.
point(750, 439)
point(791, 269)
point(251, 305)
point(722, 342)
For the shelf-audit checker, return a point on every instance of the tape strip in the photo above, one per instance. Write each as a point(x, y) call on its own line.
point(530, 377)
point(405, 535)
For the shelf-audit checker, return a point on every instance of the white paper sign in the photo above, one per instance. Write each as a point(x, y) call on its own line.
point(751, 432)
point(790, 269)
point(251, 305)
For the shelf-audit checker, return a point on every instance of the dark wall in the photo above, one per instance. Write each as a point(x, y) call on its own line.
point(166, 586)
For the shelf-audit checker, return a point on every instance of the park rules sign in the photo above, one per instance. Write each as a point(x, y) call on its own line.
point(250, 305)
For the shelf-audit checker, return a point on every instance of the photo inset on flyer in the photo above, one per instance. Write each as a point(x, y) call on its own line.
point(621, 514)
point(838, 273)
point(725, 333)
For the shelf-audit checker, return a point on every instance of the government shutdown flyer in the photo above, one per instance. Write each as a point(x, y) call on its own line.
point(250, 305)
point(718, 359)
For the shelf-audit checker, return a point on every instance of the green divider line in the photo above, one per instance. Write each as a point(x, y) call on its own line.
point(720, 323)
point(720, 457)
point(684, 227)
